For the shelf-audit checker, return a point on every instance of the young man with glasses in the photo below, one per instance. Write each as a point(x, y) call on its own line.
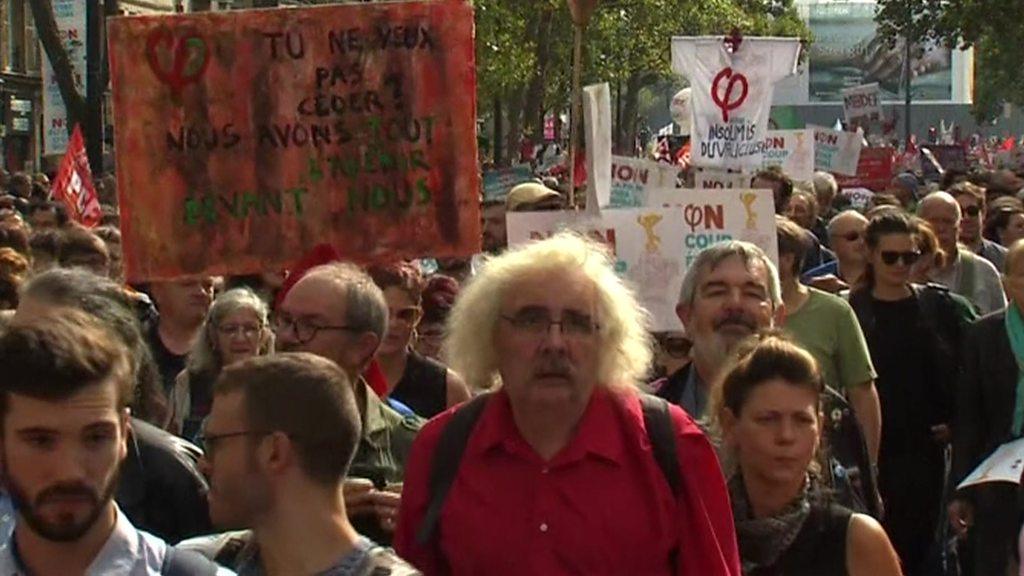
point(966, 273)
point(336, 311)
point(559, 475)
point(279, 441)
point(971, 199)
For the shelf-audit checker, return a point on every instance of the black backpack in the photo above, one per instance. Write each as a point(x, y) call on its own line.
point(455, 436)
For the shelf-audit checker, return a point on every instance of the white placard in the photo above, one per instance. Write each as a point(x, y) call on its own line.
point(862, 103)
point(1004, 465)
point(633, 177)
point(654, 246)
point(791, 150)
point(836, 152)
point(597, 114)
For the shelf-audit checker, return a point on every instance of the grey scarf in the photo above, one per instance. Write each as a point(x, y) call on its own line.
point(762, 541)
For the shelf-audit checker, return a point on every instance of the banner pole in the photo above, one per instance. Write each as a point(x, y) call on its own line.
point(574, 123)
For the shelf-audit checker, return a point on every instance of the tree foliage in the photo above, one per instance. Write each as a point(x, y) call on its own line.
point(993, 27)
point(524, 50)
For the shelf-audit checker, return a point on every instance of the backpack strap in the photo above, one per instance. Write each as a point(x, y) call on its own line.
point(662, 434)
point(452, 444)
point(446, 460)
point(186, 563)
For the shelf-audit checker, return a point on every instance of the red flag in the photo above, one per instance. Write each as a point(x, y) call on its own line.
point(73, 185)
point(1008, 144)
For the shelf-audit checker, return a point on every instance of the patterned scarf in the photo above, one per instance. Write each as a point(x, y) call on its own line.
point(762, 541)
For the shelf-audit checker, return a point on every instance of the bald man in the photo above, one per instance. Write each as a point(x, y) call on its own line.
point(846, 237)
point(986, 417)
point(966, 274)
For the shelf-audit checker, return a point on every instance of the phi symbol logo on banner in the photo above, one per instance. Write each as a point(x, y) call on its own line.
point(726, 101)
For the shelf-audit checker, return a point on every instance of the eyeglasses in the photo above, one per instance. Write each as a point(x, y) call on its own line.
point(246, 330)
point(850, 236)
point(972, 211)
point(908, 258)
point(536, 322)
point(209, 441)
point(305, 329)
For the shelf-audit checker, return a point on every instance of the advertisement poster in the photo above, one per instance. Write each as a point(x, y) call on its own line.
point(70, 18)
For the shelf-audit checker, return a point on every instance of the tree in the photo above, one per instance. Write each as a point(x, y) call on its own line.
point(992, 27)
point(524, 48)
point(85, 110)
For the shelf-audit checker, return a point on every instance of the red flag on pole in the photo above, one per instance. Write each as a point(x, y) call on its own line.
point(73, 185)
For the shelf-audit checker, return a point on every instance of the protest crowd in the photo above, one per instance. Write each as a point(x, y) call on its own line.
point(832, 401)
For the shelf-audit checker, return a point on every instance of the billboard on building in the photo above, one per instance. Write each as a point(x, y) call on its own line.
point(70, 18)
point(848, 52)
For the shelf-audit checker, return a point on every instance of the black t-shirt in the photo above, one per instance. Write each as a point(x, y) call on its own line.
point(169, 363)
point(424, 386)
point(910, 387)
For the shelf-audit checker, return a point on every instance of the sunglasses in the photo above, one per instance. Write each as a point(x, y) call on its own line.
point(908, 258)
point(972, 211)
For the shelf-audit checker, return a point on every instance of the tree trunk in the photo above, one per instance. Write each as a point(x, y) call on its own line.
point(496, 143)
point(92, 128)
point(49, 36)
point(533, 109)
point(515, 127)
point(630, 109)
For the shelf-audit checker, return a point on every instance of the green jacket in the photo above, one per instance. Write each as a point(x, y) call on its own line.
point(385, 443)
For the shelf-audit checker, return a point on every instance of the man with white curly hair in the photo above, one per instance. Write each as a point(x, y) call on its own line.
point(566, 468)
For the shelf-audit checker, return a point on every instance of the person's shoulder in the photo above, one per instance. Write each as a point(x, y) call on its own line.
point(992, 321)
point(980, 263)
point(214, 546)
point(831, 302)
point(161, 448)
point(385, 562)
point(868, 549)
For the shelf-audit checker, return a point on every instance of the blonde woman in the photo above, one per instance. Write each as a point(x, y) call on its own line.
point(236, 328)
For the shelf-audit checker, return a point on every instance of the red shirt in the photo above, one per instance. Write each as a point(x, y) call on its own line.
point(600, 506)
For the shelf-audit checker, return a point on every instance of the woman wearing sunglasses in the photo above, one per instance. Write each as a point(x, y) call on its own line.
point(914, 334)
point(421, 383)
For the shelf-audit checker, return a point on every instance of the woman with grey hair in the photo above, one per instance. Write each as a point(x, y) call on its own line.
point(236, 328)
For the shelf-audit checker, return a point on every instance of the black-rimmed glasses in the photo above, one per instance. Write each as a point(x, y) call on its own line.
point(305, 329)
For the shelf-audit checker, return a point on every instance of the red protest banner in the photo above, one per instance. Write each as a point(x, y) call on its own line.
point(73, 185)
point(874, 170)
point(245, 138)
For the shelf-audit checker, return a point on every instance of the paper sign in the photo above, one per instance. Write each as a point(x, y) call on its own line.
point(874, 170)
point(69, 16)
point(633, 177)
point(791, 150)
point(948, 157)
point(835, 151)
point(597, 115)
point(654, 246)
point(707, 179)
point(245, 138)
point(862, 103)
point(1004, 465)
point(860, 198)
point(497, 183)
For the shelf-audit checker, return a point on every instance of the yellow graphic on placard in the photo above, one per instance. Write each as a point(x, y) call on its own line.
point(748, 199)
point(648, 222)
